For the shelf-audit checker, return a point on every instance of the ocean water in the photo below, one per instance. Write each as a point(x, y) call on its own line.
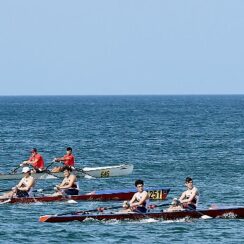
point(167, 138)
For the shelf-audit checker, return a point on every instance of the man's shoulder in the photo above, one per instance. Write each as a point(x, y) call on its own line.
point(195, 189)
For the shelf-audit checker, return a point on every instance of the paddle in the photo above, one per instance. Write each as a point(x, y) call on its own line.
point(49, 165)
point(5, 190)
point(99, 209)
point(203, 216)
point(13, 171)
point(37, 190)
point(87, 176)
point(152, 206)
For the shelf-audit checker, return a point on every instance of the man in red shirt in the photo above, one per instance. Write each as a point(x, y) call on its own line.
point(68, 159)
point(35, 160)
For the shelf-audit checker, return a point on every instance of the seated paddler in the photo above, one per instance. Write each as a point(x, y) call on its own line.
point(139, 201)
point(24, 187)
point(188, 199)
point(69, 185)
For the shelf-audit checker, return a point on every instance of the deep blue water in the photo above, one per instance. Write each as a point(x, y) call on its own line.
point(166, 138)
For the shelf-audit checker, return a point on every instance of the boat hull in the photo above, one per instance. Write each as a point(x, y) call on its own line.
point(155, 193)
point(87, 172)
point(232, 212)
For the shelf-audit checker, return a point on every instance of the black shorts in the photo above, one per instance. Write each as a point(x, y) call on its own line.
point(71, 191)
point(20, 193)
point(141, 210)
point(190, 206)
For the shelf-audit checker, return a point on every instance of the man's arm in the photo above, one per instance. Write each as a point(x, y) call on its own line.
point(143, 199)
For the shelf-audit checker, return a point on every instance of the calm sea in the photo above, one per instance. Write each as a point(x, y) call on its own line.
point(167, 138)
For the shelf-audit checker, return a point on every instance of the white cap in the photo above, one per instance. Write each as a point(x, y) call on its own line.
point(25, 169)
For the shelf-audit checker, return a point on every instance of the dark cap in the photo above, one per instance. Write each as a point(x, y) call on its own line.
point(33, 150)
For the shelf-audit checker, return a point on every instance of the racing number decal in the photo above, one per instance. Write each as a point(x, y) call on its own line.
point(105, 173)
point(156, 195)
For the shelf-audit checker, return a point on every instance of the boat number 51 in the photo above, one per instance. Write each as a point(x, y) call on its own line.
point(105, 173)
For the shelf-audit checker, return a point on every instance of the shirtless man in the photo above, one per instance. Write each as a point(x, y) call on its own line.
point(25, 186)
point(188, 199)
point(139, 201)
point(35, 160)
point(69, 185)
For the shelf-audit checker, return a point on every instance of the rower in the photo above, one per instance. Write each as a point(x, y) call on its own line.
point(25, 186)
point(188, 199)
point(35, 160)
point(69, 185)
point(139, 201)
point(68, 160)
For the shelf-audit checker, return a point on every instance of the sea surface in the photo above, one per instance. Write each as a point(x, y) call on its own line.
point(167, 138)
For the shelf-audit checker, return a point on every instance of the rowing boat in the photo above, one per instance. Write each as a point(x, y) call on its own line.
point(155, 193)
point(228, 212)
point(96, 172)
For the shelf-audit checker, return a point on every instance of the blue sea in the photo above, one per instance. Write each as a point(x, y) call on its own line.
point(167, 138)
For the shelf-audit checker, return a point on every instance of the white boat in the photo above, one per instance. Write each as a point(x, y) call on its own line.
point(86, 172)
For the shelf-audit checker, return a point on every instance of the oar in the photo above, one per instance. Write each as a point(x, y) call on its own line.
point(203, 216)
point(87, 176)
point(49, 165)
point(152, 206)
point(13, 171)
point(99, 209)
point(5, 190)
point(37, 190)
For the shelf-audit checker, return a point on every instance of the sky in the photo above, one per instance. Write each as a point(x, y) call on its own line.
point(121, 47)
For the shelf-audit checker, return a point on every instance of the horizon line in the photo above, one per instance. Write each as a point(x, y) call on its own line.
point(170, 94)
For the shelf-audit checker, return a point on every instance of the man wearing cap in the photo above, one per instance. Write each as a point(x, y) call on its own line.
point(35, 160)
point(25, 186)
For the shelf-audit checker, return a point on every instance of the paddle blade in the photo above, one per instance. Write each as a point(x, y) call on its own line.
point(48, 176)
point(206, 217)
point(71, 201)
point(89, 177)
point(6, 201)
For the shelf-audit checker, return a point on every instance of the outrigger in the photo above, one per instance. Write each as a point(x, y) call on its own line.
point(155, 193)
point(227, 212)
point(87, 172)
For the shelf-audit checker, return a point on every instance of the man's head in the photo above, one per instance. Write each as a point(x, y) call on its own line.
point(67, 170)
point(34, 150)
point(26, 170)
point(189, 182)
point(139, 185)
point(69, 150)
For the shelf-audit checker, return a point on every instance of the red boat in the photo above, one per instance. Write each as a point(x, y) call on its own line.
point(155, 193)
point(230, 212)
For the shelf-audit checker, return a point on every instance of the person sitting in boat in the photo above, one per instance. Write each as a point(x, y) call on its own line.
point(69, 185)
point(25, 186)
point(139, 201)
point(188, 199)
point(35, 160)
point(68, 160)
